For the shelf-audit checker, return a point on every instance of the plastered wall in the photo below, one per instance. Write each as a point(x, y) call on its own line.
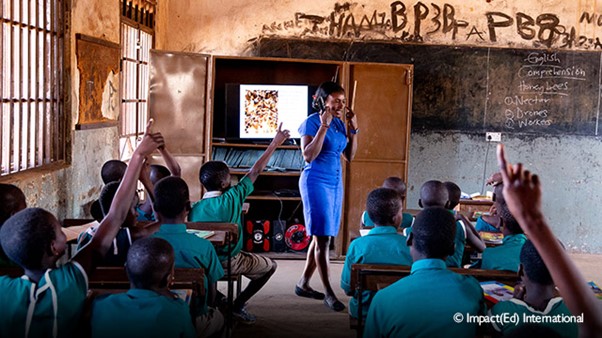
point(569, 166)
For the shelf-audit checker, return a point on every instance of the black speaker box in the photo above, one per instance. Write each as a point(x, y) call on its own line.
point(278, 229)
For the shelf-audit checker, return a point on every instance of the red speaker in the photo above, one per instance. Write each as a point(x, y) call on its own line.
point(257, 233)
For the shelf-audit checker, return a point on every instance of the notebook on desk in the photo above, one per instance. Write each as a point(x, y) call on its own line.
point(201, 233)
point(496, 291)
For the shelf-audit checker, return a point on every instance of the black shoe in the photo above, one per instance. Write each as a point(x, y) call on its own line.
point(309, 293)
point(336, 305)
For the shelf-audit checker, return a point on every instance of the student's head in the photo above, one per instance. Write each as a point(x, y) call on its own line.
point(158, 172)
point(33, 239)
point(12, 200)
point(433, 234)
point(433, 194)
point(106, 199)
point(333, 96)
point(172, 199)
point(112, 170)
point(396, 184)
point(150, 263)
point(454, 192)
point(498, 195)
point(215, 176)
point(384, 207)
point(509, 223)
point(532, 266)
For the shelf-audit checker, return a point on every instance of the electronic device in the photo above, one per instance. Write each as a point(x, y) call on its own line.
point(257, 236)
point(277, 237)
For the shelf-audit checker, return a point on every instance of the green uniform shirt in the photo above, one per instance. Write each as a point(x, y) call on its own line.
point(505, 256)
point(454, 261)
point(424, 304)
point(556, 307)
point(192, 251)
point(226, 208)
point(55, 303)
point(141, 313)
point(406, 221)
point(382, 245)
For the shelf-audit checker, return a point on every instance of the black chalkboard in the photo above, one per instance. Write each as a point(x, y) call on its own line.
point(478, 89)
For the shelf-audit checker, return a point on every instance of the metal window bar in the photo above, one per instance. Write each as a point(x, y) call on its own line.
point(31, 56)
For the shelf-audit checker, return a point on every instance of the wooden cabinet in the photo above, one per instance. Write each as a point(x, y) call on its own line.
point(382, 102)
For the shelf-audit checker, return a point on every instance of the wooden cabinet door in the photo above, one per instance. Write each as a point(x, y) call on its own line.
point(177, 103)
point(383, 104)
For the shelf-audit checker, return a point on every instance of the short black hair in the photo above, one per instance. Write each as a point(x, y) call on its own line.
point(96, 210)
point(27, 236)
point(509, 221)
point(433, 232)
point(158, 172)
point(212, 174)
point(106, 197)
point(383, 205)
point(396, 184)
point(112, 170)
point(325, 89)
point(149, 261)
point(534, 266)
point(433, 194)
point(12, 200)
point(454, 193)
point(498, 193)
point(171, 196)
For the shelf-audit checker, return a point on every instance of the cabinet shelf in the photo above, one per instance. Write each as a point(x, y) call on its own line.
point(271, 198)
point(235, 171)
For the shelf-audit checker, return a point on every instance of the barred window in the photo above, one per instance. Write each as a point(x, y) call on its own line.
point(32, 123)
point(137, 22)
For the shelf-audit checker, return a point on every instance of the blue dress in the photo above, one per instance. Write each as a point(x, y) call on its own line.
point(321, 182)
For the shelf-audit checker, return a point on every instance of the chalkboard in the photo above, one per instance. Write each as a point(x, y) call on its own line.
point(478, 89)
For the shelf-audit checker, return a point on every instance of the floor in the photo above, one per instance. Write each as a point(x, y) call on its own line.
point(280, 313)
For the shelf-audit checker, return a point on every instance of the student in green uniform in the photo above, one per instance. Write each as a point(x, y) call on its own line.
point(398, 185)
point(537, 296)
point(12, 200)
point(111, 171)
point(382, 245)
point(472, 236)
point(172, 204)
point(148, 309)
point(223, 203)
point(507, 255)
point(48, 300)
point(426, 303)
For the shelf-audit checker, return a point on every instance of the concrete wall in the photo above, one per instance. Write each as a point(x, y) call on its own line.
point(569, 166)
point(67, 190)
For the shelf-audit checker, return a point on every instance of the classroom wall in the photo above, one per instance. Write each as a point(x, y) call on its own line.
point(67, 190)
point(569, 165)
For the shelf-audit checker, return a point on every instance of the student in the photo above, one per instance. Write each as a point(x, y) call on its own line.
point(47, 301)
point(111, 171)
point(435, 194)
point(172, 204)
point(426, 303)
point(507, 255)
point(398, 185)
point(12, 200)
point(148, 309)
point(492, 222)
point(223, 203)
point(537, 296)
point(472, 236)
point(150, 177)
point(522, 194)
point(382, 245)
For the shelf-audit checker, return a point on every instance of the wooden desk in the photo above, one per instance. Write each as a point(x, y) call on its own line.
point(471, 207)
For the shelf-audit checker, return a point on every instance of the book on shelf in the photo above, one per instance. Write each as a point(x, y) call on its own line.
point(496, 291)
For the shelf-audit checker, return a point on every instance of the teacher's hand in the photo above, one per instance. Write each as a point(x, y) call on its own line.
point(351, 118)
point(326, 116)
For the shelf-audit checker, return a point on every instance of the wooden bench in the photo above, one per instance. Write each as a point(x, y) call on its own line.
point(373, 277)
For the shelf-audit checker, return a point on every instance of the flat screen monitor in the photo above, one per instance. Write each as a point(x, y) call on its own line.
point(264, 107)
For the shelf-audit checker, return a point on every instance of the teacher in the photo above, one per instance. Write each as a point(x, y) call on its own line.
point(324, 137)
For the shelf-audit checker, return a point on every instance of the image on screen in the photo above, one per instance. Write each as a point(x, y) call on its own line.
point(264, 107)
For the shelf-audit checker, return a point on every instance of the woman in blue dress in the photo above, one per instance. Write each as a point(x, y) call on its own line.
point(324, 137)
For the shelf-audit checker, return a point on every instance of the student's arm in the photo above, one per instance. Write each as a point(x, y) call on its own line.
point(148, 186)
point(312, 146)
point(352, 144)
point(108, 228)
point(472, 235)
point(522, 193)
point(262, 161)
point(170, 161)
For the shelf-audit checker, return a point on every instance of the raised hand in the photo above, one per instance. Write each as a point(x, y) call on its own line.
point(281, 135)
point(351, 118)
point(150, 141)
point(326, 116)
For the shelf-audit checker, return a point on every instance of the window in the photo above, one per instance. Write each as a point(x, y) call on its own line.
point(137, 22)
point(32, 123)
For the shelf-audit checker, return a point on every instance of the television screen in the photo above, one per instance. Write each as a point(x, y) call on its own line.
point(264, 107)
